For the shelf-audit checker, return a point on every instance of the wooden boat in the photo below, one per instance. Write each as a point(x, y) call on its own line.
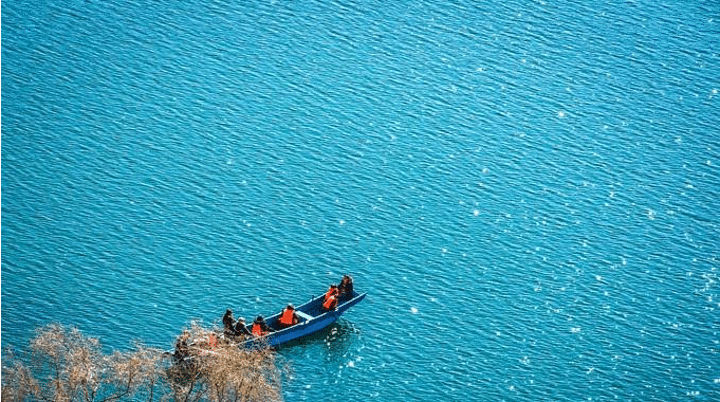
point(311, 319)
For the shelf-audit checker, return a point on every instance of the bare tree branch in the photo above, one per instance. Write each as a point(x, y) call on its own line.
point(64, 365)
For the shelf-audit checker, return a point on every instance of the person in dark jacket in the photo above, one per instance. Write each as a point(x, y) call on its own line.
point(229, 322)
point(241, 328)
point(181, 346)
point(346, 288)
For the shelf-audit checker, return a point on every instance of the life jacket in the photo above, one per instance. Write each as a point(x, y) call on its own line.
point(257, 330)
point(330, 303)
point(330, 292)
point(287, 317)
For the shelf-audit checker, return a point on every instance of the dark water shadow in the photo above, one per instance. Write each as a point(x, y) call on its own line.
point(337, 339)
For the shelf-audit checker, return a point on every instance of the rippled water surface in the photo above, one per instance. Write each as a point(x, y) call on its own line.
point(528, 190)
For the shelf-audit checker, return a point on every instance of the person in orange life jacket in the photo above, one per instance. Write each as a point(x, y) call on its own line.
point(259, 327)
point(289, 317)
point(346, 287)
point(330, 302)
point(332, 291)
point(212, 340)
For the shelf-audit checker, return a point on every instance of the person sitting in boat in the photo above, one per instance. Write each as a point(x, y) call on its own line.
point(182, 349)
point(260, 327)
point(330, 302)
point(229, 322)
point(241, 328)
point(289, 317)
point(346, 287)
point(332, 291)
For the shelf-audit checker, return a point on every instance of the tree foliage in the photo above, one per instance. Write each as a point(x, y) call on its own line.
point(63, 365)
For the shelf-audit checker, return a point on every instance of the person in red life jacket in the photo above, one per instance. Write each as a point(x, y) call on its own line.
point(332, 291)
point(330, 302)
point(212, 340)
point(289, 317)
point(346, 288)
point(259, 327)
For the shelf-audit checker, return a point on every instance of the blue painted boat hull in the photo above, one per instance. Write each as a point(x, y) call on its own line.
point(312, 319)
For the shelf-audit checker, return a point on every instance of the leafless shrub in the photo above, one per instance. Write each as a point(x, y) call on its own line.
point(64, 365)
point(217, 370)
point(18, 383)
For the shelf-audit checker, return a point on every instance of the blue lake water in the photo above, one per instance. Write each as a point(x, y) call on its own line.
point(528, 190)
